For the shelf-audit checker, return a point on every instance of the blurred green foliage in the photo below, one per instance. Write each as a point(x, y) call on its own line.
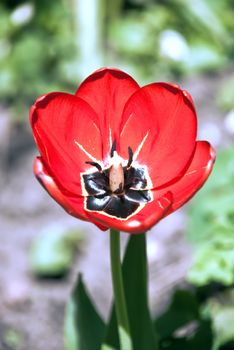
point(226, 95)
point(211, 225)
point(183, 326)
point(152, 39)
point(52, 253)
point(35, 39)
point(192, 323)
point(174, 37)
point(220, 309)
point(211, 233)
point(13, 339)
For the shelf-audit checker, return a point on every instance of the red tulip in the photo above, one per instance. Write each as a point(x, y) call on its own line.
point(119, 155)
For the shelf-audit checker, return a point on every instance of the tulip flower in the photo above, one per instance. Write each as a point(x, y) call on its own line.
point(117, 154)
point(122, 157)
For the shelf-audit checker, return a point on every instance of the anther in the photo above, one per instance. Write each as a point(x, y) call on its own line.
point(98, 166)
point(113, 149)
point(130, 157)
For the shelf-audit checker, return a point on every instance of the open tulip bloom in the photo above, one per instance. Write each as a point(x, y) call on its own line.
point(119, 155)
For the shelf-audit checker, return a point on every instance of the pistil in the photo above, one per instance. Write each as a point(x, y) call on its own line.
point(116, 175)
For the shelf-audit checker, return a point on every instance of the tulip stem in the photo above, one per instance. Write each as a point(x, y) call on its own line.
point(118, 290)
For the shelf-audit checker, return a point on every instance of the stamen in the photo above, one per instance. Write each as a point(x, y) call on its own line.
point(98, 166)
point(113, 149)
point(130, 157)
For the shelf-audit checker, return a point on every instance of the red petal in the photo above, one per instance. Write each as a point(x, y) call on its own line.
point(107, 91)
point(195, 175)
point(142, 221)
point(74, 206)
point(159, 124)
point(67, 134)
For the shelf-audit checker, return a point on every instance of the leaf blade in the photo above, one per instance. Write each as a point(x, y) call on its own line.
point(88, 327)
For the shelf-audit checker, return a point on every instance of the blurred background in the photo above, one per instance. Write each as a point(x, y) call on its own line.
point(51, 46)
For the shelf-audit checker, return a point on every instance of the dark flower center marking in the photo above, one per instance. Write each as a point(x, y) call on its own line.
point(118, 191)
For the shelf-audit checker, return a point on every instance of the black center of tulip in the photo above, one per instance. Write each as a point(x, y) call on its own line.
point(117, 191)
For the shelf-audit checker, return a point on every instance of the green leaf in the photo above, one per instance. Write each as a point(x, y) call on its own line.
point(84, 328)
point(200, 338)
point(135, 285)
point(71, 339)
point(181, 326)
point(106, 347)
point(135, 277)
point(182, 310)
point(112, 337)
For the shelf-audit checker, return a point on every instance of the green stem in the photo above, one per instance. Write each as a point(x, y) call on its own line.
point(118, 289)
